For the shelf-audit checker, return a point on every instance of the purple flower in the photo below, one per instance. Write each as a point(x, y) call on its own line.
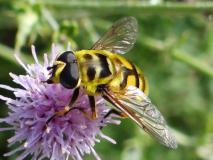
point(71, 135)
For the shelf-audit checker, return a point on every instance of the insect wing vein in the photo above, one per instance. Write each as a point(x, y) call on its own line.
point(140, 109)
point(120, 38)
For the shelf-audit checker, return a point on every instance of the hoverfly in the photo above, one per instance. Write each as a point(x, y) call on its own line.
point(102, 70)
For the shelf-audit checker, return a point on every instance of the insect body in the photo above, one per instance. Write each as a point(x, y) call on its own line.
point(103, 71)
point(100, 68)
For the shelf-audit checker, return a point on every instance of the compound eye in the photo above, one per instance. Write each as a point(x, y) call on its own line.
point(74, 71)
point(70, 75)
point(67, 57)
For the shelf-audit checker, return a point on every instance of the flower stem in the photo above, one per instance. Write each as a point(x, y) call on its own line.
point(131, 6)
point(186, 58)
point(194, 62)
point(8, 54)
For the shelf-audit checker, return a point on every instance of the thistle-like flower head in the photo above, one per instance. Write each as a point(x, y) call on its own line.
point(70, 135)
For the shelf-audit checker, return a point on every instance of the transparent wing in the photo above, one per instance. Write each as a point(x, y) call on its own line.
point(139, 108)
point(120, 38)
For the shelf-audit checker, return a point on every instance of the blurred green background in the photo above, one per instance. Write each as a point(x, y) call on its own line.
point(174, 48)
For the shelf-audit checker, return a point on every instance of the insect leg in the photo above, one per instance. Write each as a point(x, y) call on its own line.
point(113, 111)
point(93, 106)
point(116, 112)
point(74, 97)
point(66, 108)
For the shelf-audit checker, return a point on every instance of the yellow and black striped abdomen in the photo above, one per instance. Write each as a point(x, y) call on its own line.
point(127, 75)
